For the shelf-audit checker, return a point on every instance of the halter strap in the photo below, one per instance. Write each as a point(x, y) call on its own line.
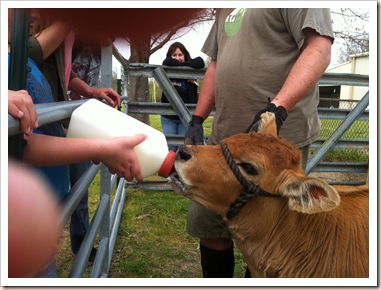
point(249, 190)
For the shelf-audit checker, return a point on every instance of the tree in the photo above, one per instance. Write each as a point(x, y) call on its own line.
point(351, 31)
point(142, 50)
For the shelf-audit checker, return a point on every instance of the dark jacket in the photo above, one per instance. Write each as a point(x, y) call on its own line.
point(185, 88)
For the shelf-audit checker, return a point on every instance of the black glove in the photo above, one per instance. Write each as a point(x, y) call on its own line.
point(195, 132)
point(280, 116)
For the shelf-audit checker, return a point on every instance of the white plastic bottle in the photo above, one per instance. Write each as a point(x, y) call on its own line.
point(95, 119)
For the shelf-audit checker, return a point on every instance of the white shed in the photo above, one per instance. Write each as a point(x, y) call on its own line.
point(359, 64)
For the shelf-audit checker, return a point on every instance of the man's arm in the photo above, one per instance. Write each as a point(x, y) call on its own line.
point(206, 99)
point(205, 104)
point(308, 69)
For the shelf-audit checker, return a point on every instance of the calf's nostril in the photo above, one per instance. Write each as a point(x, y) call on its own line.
point(183, 154)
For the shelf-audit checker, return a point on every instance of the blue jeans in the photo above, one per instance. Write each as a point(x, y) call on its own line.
point(49, 271)
point(172, 127)
point(79, 222)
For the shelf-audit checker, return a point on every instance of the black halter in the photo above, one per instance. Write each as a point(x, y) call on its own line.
point(249, 190)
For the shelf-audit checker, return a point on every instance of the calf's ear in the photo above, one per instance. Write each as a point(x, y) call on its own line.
point(268, 124)
point(308, 194)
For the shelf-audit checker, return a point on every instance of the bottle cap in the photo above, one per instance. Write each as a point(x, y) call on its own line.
point(167, 165)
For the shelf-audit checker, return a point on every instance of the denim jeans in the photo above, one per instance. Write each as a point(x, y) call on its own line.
point(50, 270)
point(172, 127)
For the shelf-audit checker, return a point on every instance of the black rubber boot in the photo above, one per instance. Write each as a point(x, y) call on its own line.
point(217, 264)
point(247, 273)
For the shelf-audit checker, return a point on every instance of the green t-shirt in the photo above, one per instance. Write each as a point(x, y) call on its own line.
point(255, 50)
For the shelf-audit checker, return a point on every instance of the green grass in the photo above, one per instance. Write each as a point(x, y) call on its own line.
point(152, 239)
point(358, 130)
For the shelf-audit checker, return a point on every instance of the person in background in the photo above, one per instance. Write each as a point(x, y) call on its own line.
point(50, 46)
point(86, 60)
point(178, 55)
point(261, 60)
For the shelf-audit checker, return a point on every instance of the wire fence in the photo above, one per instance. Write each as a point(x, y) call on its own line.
point(356, 136)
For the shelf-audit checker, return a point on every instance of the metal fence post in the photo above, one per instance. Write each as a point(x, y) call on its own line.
point(105, 176)
point(172, 95)
point(104, 230)
point(18, 69)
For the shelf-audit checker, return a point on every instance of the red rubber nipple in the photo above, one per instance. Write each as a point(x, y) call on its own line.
point(168, 164)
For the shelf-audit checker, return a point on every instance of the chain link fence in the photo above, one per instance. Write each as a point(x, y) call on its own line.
point(358, 131)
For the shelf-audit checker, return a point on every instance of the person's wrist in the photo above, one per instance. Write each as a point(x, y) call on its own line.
point(279, 103)
point(197, 120)
point(281, 112)
point(91, 93)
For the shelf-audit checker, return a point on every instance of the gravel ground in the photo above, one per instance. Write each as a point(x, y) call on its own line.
point(341, 176)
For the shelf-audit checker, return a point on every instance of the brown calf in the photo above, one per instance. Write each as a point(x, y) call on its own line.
point(285, 224)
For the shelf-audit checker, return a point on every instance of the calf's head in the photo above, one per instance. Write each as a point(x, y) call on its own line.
point(263, 160)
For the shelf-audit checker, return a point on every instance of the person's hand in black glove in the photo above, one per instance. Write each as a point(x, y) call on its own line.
point(280, 116)
point(195, 132)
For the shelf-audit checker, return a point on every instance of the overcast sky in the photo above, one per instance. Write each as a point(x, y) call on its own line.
point(193, 41)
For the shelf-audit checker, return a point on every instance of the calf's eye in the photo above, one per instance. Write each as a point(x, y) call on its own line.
point(248, 168)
